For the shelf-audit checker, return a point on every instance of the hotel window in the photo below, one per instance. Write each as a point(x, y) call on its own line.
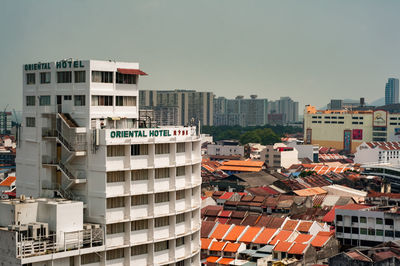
point(180, 218)
point(64, 77)
point(80, 76)
point(90, 258)
point(180, 241)
point(388, 221)
point(379, 221)
point(139, 149)
point(363, 231)
point(354, 219)
point(30, 78)
point(180, 194)
point(67, 97)
point(139, 250)
point(44, 100)
point(139, 225)
point(102, 76)
point(30, 122)
point(115, 254)
point(180, 171)
point(160, 246)
point(162, 221)
point(115, 150)
point(45, 77)
point(371, 232)
point(162, 148)
point(79, 100)
point(126, 78)
point(363, 220)
point(100, 100)
point(125, 101)
point(117, 202)
point(30, 100)
point(140, 175)
point(180, 147)
point(139, 200)
point(161, 197)
point(339, 218)
point(379, 232)
point(161, 173)
point(389, 233)
point(115, 177)
point(115, 228)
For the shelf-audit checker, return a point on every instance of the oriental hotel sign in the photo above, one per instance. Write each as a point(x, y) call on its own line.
point(149, 133)
point(59, 65)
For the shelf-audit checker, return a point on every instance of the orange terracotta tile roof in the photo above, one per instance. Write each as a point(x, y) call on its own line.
point(234, 233)
point(205, 243)
point(283, 246)
point(240, 169)
point(282, 236)
point(310, 191)
point(220, 231)
point(302, 238)
point(231, 247)
point(265, 236)
point(217, 246)
point(247, 163)
point(249, 235)
point(212, 259)
point(290, 225)
point(304, 226)
point(8, 181)
point(225, 261)
point(319, 241)
point(298, 248)
point(326, 233)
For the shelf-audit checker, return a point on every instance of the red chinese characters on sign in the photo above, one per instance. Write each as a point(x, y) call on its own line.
point(181, 132)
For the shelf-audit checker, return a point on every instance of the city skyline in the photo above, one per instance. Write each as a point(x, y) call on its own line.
point(312, 52)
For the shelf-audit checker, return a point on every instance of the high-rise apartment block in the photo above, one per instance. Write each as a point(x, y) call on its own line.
point(5, 123)
point(82, 139)
point(192, 106)
point(254, 111)
point(392, 91)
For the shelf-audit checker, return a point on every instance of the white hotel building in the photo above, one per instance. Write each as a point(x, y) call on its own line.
point(82, 140)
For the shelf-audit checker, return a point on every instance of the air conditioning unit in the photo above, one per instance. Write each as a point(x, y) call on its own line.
point(87, 226)
point(34, 231)
point(44, 230)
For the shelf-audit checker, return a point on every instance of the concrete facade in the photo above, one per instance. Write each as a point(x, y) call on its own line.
point(82, 139)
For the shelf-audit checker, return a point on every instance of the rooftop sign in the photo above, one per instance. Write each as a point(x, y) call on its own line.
point(59, 65)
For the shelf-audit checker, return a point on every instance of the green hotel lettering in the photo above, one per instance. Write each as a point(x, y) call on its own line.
point(139, 133)
point(59, 64)
point(69, 64)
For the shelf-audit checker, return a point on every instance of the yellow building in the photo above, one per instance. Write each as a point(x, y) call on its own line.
point(347, 129)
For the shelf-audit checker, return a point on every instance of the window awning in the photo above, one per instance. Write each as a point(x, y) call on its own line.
point(131, 71)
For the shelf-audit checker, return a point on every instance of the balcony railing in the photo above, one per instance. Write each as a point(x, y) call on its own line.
point(29, 247)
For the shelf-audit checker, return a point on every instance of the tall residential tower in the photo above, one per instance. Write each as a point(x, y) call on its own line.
point(392, 91)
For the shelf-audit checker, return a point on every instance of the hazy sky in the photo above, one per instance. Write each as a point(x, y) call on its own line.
point(311, 51)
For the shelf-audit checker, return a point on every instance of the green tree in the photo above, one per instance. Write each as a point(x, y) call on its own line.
point(250, 137)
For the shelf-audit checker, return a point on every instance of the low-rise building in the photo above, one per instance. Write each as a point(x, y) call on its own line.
point(362, 225)
point(225, 148)
point(48, 232)
point(279, 155)
point(378, 152)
